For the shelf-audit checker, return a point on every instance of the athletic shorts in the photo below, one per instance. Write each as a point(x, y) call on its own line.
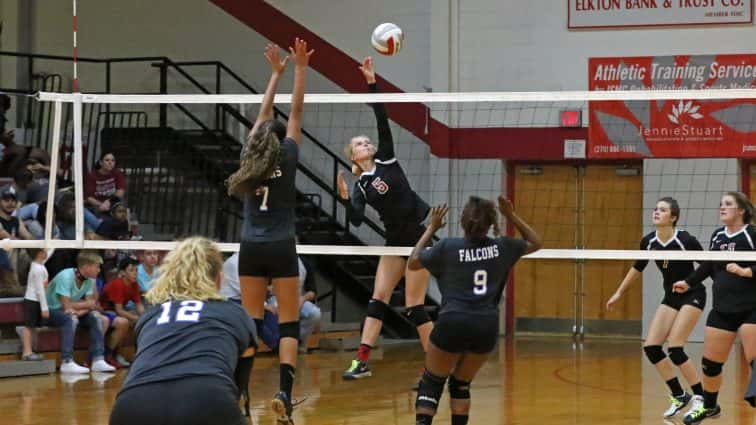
point(197, 400)
point(111, 315)
point(456, 332)
point(404, 234)
point(269, 259)
point(730, 321)
point(677, 301)
point(32, 314)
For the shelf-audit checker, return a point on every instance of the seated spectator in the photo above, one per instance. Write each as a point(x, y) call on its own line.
point(116, 225)
point(115, 296)
point(148, 272)
point(309, 312)
point(22, 181)
point(36, 311)
point(12, 227)
point(37, 191)
point(72, 301)
point(103, 184)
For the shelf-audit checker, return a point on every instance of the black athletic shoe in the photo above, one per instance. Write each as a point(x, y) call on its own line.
point(357, 370)
point(282, 407)
point(697, 416)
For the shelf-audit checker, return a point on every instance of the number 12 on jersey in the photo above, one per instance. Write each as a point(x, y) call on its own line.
point(189, 311)
point(480, 279)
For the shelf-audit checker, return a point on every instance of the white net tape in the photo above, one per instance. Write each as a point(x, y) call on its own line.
point(572, 96)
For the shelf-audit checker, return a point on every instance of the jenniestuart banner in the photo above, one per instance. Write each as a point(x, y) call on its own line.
point(681, 128)
point(586, 14)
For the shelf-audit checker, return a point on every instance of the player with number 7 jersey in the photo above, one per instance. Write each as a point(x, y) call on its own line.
point(471, 272)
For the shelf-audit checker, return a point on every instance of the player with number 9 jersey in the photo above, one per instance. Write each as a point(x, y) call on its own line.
point(190, 346)
point(471, 272)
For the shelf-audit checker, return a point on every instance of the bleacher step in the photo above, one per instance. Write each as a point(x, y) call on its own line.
point(10, 346)
point(24, 368)
point(343, 343)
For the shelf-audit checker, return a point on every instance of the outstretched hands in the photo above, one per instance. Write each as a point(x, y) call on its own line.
point(368, 70)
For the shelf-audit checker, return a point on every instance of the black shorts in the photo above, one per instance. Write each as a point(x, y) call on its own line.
point(404, 234)
point(677, 301)
point(32, 314)
point(460, 332)
point(730, 321)
point(196, 400)
point(269, 259)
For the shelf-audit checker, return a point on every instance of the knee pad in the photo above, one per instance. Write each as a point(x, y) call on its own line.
point(711, 368)
point(377, 309)
point(417, 315)
point(677, 355)
point(430, 390)
point(459, 389)
point(289, 330)
point(654, 353)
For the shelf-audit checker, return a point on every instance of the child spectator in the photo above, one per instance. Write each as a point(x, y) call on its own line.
point(116, 295)
point(115, 227)
point(36, 311)
point(148, 269)
point(71, 300)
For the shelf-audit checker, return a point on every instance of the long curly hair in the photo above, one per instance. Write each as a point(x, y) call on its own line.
point(189, 272)
point(260, 155)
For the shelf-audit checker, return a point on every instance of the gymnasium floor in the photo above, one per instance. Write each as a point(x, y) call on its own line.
point(528, 381)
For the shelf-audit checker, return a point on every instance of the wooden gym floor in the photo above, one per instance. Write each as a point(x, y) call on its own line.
point(527, 381)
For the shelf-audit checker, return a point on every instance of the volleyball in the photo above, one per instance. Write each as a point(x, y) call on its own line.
point(387, 39)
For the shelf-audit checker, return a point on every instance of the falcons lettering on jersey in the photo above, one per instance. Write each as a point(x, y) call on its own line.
point(380, 185)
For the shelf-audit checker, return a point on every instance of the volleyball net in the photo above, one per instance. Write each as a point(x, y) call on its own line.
point(584, 168)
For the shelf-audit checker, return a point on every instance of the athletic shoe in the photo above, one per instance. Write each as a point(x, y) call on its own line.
point(677, 403)
point(282, 407)
point(111, 360)
point(100, 365)
point(696, 403)
point(357, 370)
point(122, 360)
point(702, 413)
point(33, 357)
point(70, 367)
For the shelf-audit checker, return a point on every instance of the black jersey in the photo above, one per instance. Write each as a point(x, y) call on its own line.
point(732, 293)
point(190, 338)
point(471, 274)
point(672, 271)
point(10, 225)
point(269, 213)
point(385, 187)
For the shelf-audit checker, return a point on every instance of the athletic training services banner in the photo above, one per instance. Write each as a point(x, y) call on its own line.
point(683, 128)
point(587, 14)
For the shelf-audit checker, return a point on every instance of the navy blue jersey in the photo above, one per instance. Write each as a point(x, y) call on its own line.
point(269, 213)
point(672, 271)
point(385, 187)
point(471, 274)
point(732, 293)
point(190, 338)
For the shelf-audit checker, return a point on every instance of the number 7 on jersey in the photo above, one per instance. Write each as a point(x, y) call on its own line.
point(263, 191)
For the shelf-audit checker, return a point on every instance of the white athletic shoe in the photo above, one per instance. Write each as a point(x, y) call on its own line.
point(122, 360)
point(101, 365)
point(70, 367)
point(696, 403)
point(677, 404)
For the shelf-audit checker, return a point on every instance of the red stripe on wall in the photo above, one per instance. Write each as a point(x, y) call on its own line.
point(510, 143)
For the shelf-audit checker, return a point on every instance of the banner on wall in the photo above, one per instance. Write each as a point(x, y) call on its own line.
point(587, 14)
point(682, 128)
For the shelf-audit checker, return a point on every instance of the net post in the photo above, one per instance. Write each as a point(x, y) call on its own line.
point(58, 110)
point(78, 167)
